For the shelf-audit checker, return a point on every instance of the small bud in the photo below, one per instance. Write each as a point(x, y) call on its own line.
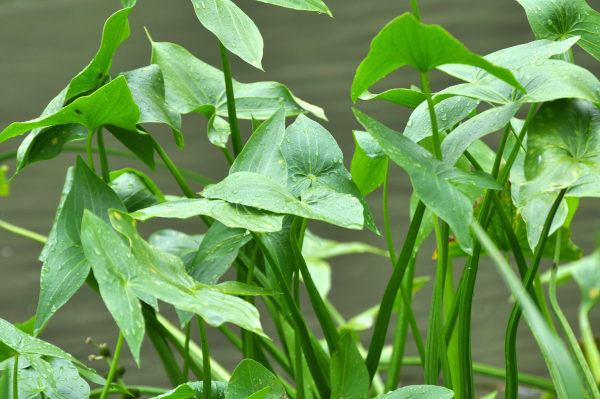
point(104, 351)
point(89, 341)
point(91, 357)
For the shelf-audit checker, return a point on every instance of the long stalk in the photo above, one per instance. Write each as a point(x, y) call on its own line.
point(185, 188)
point(102, 154)
point(206, 373)
point(142, 389)
point(88, 151)
point(415, 9)
point(515, 315)
point(298, 372)
point(23, 232)
point(589, 343)
point(386, 214)
point(113, 366)
point(15, 378)
point(186, 350)
point(236, 138)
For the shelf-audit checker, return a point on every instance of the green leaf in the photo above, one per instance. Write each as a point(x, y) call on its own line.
point(195, 390)
point(475, 128)
point(314, 160)
point(191, 85)
point(175, 242)
point(148, 90)
point(232, 27)
point(135, 189)
point(305, 5)
point(216, 253)
point(262, 153)
point(116, 30)
point(349, 374)
point(250, 377)
point(218, 131)
point(441, 187)
point(322, 248)
point(231, 215)
point(109, 256)
point(449, 112)
point(138, 142)
point(406, 41)
point(4, 184)
point(369, 163)
point(65, 266)
point(24, 344)
point(560, 19)
point(560, 364)
point(418, 392)
point(406, 97)
point(251, 189)
point(111, 104)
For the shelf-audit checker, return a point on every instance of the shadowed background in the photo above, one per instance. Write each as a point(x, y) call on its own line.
point(44, 44)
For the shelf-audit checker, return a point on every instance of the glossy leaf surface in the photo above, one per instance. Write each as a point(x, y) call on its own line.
point(175, 242)
point(369, 163)
point(405, 97)
point(250, 377)
point(135, 189)
point(560, 19)
point(305, 5)
point(349, 374)
point(406, 41)
point(195, 390)
point(112, 104)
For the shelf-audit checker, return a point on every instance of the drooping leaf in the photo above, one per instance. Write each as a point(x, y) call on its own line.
point(349, 374)
point(65, 266)
point(262, 153)
point(305, 5)
point(232, 27)
point(250, 377)
point(418, 392)
point(406, 41)
point(231, 215)
point(135, 189)
point(148, 90)
point(560, 363)
point(216, 253)
point(111, 104)
point(116, 30)
point(449, 112)
point(441, 187)
point(195, 390)
point(314, 160)
point(320, 203)
point(406, 97)
point(110, 259)
point(218, 131)
point(561, 19)
point(369, 163)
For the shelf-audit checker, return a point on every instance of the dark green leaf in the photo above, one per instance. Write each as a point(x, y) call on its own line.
point(138, 142)
point(195, 390)
point(306, 5)
point(250, 377)
point(65, 266)
point(369, 163)
point(418, 392)
point(111, 104)
point(406, 41)
point(349, 374)
point(234, 216)
point(135, 189)
point(405, 97)
point(560, 19)
point(116, 30)
point(148, 90)
point(232, 27)
point(251, 189)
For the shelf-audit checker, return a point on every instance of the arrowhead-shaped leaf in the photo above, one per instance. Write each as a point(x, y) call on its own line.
point(194, 390)
point(406, 41)
point(250, 377)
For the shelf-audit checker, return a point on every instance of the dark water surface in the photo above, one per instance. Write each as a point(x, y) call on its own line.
point(44, 44)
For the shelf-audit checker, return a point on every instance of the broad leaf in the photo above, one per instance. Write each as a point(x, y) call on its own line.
point(320, 203)
point(175, 242)
point(449, 112)
point(418, 392)
point(231, 215)
point(216, 253)
point(135, 189)
point(195, 390)
point(65, 266)
point(314, 160)
point(349, 374)
point(406, 41)
point(405, 97)
point(111, 104)
point(250, 377)
point(148, 91)
point(444, 189)
point(262, 154)
point(116, 30)
point(369, 163)
point(305, 5)
point(232, 27)
point(560, 19)
point(138, 142)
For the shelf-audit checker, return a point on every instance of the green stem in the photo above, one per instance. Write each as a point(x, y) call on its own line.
point(158, 337)
point(88, 150)
point(227, 155)
point(299, 376)
point(247, 336)
point(206, 373)
point(415, 9)
point(572, 343)
point(186, 350)
point(23, 232)
point(515, 315)
point(386, 214)
point(391, 290)
point(113, 366)
point(589, 343)
point(102, 154)
point(145, 390)
point(437, 151)
point(236, 138)
point(15, 378)
point(185, 188)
